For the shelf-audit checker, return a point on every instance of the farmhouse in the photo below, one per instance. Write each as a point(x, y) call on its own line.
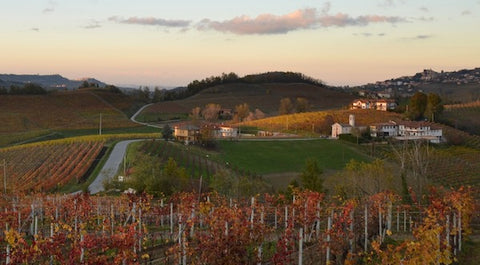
point(342, 128)
point(378, 104)
point(407, 130)
point(224, 131)
point(386, 129)
point(412, 130)
point(187, 133)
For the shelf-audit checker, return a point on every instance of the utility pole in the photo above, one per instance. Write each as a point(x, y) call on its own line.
point(100, 125)
point(4, 176)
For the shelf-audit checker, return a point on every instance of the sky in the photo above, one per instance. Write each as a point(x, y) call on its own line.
point(171, 43)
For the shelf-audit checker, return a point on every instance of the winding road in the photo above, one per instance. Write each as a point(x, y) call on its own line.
point(110, 168)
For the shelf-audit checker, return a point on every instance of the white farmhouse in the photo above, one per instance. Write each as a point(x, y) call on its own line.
point(342, 128)
point(419, 130)
point(386, 129)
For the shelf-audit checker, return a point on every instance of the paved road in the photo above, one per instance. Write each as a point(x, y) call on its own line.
point(111, 167)
point(134, 116)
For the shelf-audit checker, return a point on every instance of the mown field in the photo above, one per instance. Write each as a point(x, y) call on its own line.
point(265, 97)
point(29, 116)
point(265, 157)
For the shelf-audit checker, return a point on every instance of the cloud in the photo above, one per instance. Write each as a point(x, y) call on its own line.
point(150, 21)
point(300, 19)
point(35, 29)
point(264, 23)
point(424, 9)
point(424, 19)
point(466, 13)
point(93, 25)
point(422, 37)
point(50, 8)
point(368, 34)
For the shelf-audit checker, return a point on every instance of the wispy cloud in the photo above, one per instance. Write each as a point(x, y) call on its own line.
point(424, 9)
point(424, 19)
point(300, 19)
point(368, 34)
point(390, 3)
point(466, 13)
point(35, 29)
point(93, 25)
point(150, 21)
point(50, 8)
point(422, 37)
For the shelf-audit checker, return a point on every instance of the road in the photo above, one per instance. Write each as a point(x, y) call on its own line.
point(134, 116)
point(111, 167)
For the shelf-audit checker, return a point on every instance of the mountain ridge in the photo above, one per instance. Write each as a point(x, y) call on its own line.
point(53, 81)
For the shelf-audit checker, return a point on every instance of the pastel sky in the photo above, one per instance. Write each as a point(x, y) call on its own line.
point(170, 43)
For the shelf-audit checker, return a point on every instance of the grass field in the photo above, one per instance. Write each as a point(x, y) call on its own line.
point(266, 157)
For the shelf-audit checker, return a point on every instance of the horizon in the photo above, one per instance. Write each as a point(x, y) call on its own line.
point(155, 43)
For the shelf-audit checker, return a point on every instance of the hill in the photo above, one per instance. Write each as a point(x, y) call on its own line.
point(264, 96)
point(46, 81)
point(320, 122)
point(455, 86)
point(27, 116)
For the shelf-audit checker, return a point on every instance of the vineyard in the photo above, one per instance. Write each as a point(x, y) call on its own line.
point(463, 116)
point(196, 164)
point(320, 122)
point(192, 228)
point(33, 115)
point(48, 165)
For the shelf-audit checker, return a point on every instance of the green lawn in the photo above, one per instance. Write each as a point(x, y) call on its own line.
point(265, 157)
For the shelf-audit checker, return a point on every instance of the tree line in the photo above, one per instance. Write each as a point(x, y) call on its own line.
point(27, 89)
point(198, 85)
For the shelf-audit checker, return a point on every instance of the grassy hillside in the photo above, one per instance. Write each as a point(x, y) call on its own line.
point(265, 97)
point(27, 116)
point(320, 122)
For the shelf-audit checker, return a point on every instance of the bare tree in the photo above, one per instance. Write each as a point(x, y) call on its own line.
point(211, 111)
point(242, 111)
point(286, 106)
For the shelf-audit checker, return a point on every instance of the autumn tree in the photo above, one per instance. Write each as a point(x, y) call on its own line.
point(311, 176)
point(417, 106)
point(302, 105)
point(286, 106)
point(434, 106)
point(242, 111)
point(196, 113)
point(211, 111)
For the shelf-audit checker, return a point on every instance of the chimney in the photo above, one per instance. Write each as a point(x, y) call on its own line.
point(351, 120)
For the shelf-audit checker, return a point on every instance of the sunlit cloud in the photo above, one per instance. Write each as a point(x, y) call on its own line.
point(297, 20)
point(264, 23)
point(151, 21)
